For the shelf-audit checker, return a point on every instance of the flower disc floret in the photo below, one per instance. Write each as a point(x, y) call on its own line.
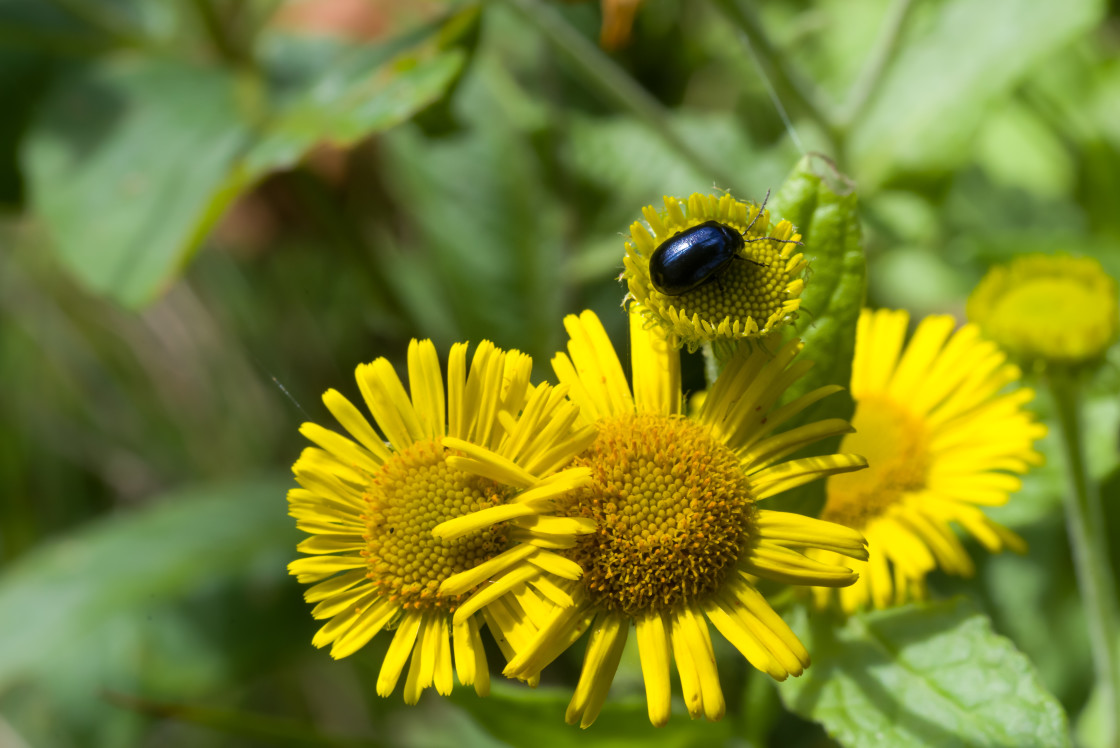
point(744, 299)
point(408, 497)
point(672, 511)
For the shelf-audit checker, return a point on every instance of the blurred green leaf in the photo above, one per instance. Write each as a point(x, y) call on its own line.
point(82, 26)
point(824, 207)
point(348, 96)
point(129, 165)
point(133, 160)
point(124, 565)
point(1034, 600)
point(935, 93)
point(490, 236)
point(520, 715)
point(24, 76)
point(921, 675)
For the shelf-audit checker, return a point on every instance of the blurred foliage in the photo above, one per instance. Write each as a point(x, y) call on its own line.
point(214, 209)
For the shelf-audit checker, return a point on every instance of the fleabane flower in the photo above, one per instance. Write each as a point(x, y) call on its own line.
point(750, 296)
point(945, 434)
point(1048, 309)
point(370, 501)
point(681, 535)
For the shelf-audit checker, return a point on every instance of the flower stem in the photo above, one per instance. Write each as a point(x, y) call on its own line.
point(882, 52)
point(712, 365)
point(1085, 523)
point(613, 83)
point(774, 64)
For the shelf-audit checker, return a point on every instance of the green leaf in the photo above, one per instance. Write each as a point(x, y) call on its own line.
point(933, 97)
point(822, 204)
point(126, 565)
point(921, 675)
point(129, 165)
point(367, 91)
point(492, 238)
point(133, 160)
point(512, 711)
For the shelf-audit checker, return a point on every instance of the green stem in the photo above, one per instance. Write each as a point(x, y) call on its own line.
point(760, 708)
point(600, 70)
point(882, 52)
point(219, 33)
point(1085, 523)
point(712, 365)
point(774, 66)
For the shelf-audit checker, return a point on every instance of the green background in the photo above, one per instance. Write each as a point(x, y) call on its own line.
point(212, 210)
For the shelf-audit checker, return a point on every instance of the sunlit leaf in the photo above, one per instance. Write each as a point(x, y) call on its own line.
point(921, 675)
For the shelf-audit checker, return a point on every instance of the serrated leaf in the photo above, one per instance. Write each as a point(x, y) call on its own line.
point(936, 91)
point(922, 675)
point(511, 712)
point(113, 568)
point(824, 207)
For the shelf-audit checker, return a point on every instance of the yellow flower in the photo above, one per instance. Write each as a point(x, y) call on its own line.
point(1048, 308)
point(942, 439)
point(745, 299)
point(680, 536)
point(370, 503)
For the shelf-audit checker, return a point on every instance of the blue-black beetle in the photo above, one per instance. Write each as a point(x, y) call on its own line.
point(693, 257)
point(697, 255)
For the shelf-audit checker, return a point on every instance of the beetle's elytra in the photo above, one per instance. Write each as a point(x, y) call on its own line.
point(693, 257)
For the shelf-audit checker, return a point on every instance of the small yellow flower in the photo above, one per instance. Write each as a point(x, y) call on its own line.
point(490, 442)
point(680, 536)
point(745, 300)
point(942, 439)
point(1048, 309)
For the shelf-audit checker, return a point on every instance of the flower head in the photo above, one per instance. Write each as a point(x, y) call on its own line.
point(1048, 308)
point(680, 534)
point(492, 443)
point(742, 300)
point(942, 439)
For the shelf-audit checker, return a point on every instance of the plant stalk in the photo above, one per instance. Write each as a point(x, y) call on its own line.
point(1089, 545)
point(616, 85)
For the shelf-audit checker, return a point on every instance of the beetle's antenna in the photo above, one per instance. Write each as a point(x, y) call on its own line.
point(756, 215)
point(764, 238)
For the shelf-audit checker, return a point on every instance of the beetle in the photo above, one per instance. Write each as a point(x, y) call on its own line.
point(698, 255)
